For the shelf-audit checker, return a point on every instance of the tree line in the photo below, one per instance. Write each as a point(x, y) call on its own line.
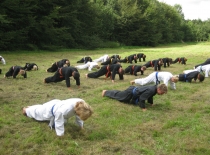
point(90, 24)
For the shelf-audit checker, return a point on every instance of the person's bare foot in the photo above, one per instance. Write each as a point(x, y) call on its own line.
point(24, 111)
point(86, 75)
point(132, 82)
point(103, 93)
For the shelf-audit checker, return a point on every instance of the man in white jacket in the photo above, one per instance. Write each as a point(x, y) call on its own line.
point(58, 111)
point(102, 59)
point(89, 65)
point(2, 60)
point(157, 77)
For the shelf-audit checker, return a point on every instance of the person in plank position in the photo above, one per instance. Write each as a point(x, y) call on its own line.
point(136, 95)
point(14, 71)
point(109, 71)
point(55, 66)
point(57, 112)
point(64, 73)
point(192, 75)
point(133, 69)
point(157, 77)
point(31, 66)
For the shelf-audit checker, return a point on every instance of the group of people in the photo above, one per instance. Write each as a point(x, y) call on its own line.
point(57, 111)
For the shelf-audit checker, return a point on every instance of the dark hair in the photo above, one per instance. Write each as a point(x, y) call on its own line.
point(76, 75)
point(201, 76)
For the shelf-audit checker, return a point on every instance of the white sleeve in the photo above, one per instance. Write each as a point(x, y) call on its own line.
point(59, 124)
point(3, 61)
point(78, 121)
point(173, 85)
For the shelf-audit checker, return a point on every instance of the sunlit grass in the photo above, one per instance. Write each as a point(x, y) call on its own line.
point(178, 123)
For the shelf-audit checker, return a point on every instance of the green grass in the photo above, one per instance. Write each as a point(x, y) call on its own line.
point(177, 124)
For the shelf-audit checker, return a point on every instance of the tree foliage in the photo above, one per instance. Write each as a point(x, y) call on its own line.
point(49, 24)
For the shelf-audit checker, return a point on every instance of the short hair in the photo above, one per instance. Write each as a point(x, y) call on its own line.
point(163, 88)
point(83, 110)
point(35, 67)
point(68, 63)
point(201, 76)
point(176, 78)
point(22, 72)
point(144, 67)
point(76, 74)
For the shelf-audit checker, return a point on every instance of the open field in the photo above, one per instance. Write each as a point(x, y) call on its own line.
point(178, 123)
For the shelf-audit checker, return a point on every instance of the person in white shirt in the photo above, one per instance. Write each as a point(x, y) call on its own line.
point(102, 59)
point(58, 111)
point(205, 68)
point(2, 60)
point(157, 77)
point(89, 65)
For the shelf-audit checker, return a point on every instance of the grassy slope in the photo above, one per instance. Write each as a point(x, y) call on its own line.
point(177, 124)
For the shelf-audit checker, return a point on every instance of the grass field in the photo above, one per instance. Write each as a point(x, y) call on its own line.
point(177, 124)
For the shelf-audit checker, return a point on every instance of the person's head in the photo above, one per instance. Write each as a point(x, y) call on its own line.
point(143, 68)
point(76, 74)
point(135, 56)
point(35, 67)
point(160, 62)
point(121, 73)
point(0, 58)
point(170, 60)
point(201, 77)
point(83, 110)
point(175, 79)
point(67, 63)
point(22, 72)
point(144, 56)
point(162, 89)
point(185, 59)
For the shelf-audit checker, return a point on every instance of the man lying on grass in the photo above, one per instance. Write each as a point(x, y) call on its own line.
point(59, 111)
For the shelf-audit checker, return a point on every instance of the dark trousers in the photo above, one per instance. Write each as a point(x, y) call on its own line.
point(53, 68)
point(99, 73)
point(122, 96)
point(55, 78)
point(10, 72)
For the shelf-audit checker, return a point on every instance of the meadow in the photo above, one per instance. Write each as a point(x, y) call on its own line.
point(177, 124)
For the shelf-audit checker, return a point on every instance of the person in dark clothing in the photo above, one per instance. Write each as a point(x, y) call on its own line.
point(205, 63)
point(116, 56)
point(55, 66)
point(181, 60)
point(141, 56)
point(65, 73)
point(154, 63)
point(108, 71)
point(110, 61)
point(192, 75)
point(125, 60)
point(167, 61)
point(30, 66)
point(14, 71)
point(136, 95)
point(85, 60)
point(133, 69)
point(132, 58)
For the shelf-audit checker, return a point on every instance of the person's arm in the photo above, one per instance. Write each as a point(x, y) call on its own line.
point(77, 81)
point(16, 71)
point(59, 124)
point(79, 122)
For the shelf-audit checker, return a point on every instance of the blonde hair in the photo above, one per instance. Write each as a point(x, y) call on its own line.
point(144, 67)
point(163, 88)
point(22, 72)
point(175, 78)
point(35, 67)
point(83, 110)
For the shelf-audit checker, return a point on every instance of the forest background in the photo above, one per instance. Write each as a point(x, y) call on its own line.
point(90, 24)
